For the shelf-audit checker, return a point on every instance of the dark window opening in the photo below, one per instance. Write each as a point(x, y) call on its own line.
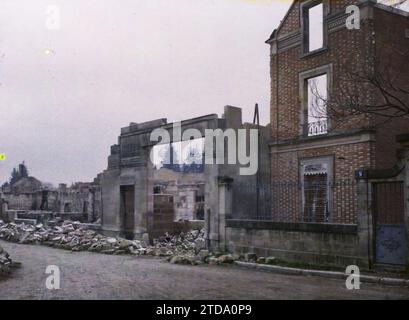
point(315, 195)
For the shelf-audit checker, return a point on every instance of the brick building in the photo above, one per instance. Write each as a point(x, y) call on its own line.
point(322, 212)
point(318, 154)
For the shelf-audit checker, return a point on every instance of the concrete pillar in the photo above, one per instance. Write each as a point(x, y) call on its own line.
point(365, 248)
point(225, 210)
point(90, 207)
point(211, 207)
point(143, 202)
point(144, 183)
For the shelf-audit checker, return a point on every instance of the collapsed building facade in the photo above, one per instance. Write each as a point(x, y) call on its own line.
point(141, 196)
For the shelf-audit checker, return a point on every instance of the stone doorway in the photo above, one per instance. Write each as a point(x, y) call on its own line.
point(127, 211)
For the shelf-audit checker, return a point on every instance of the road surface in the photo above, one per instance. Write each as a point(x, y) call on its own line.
point(93, 276)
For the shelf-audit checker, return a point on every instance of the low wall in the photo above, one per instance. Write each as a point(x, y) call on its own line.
point(39, 216)
point(9, 215)
point(42, 216)
point(309, 243)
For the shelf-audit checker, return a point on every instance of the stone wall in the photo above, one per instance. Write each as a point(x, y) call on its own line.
point(184, 187)
point(316, 244)
point(308, 243)
point(129, 165)
point(82, 198)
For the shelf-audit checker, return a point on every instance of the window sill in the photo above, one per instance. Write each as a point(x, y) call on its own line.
point(316, 135)
point(313, 53)
point(306, 136)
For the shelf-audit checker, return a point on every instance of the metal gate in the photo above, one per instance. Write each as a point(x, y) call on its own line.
point(390, 231)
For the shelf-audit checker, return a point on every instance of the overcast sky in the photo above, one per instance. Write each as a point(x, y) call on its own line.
point(65, 94)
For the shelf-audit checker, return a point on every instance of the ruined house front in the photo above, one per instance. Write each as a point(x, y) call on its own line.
point(323, 209)
point(144, 197)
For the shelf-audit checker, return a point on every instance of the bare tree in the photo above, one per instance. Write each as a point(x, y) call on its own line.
point(380, 89)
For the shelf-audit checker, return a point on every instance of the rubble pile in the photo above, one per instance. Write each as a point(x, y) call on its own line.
point(183, 248)
point(6, 264)
point(76, 237)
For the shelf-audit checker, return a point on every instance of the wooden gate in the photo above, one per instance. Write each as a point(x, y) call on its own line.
point(163, 215)
point(390, 231)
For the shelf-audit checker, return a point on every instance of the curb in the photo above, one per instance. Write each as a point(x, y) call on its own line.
point(320, 273)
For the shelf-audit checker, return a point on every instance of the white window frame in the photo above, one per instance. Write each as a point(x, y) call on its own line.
point(305, 25)
point(303, 92)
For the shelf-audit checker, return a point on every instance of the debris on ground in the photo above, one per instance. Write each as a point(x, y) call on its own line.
point(183, 248)
point(6, 264)
point(271, 260)
point(250, 257)
point(261, 260)
point(180, 249)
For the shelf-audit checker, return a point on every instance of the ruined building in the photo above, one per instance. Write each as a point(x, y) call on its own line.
point(140, 196)
point(25, 196)
point(335, 197)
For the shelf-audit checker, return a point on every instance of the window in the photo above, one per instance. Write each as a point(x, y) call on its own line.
point(157, 190)
point(182, 156)
point(313, 25)
point(317, 105)
point(315, 89)
point(316, 175)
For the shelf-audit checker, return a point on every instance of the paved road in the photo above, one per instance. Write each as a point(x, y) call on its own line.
point(95, 276)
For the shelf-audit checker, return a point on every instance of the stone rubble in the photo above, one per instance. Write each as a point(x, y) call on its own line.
point(6, 264)
point(184, 247)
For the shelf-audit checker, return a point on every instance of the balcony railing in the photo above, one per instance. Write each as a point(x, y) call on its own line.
point(317, 128)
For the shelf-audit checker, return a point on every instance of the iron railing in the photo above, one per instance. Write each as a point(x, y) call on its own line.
point(317, 128)
point(291, 201)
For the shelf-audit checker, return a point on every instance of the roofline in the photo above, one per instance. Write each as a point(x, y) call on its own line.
point(392, 9)
point(378, 5)
point(281, 23)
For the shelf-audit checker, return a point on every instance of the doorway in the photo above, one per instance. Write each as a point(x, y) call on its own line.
point(128, 211)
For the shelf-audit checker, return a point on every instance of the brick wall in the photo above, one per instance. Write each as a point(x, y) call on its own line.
point(286, 192)
point(392, 50)
point(346, 48)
